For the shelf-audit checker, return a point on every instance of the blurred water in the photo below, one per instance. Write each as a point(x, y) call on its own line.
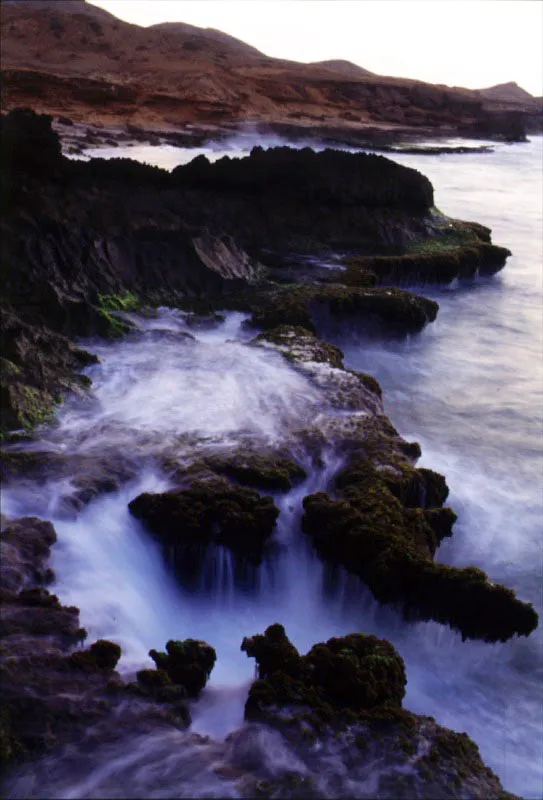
point(469, 388)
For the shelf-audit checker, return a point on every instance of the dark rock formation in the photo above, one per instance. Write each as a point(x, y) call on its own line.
point(330, 179)
point(82, 243)
point(391, 310)
point(354, 672)
point(188, 664)
point(53, 694)
point(385, 527)
point(210, 511)
point(346, 694)
point(102, 655)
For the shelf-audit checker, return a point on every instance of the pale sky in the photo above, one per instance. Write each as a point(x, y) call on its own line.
point(470, 43)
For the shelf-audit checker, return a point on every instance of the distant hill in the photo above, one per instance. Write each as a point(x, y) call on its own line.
point(346, 68)
point(201, 36)
point(71, 59)
point(507, 93)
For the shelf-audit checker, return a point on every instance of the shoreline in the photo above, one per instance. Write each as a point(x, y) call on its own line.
point(276, 307)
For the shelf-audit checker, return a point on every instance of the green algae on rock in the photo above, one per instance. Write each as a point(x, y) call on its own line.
point(385, 526)
point(345, 695)
point(37, 365)
point(451, 249)
point(102, 655)
point(351, 672)
point(186, 663)
point(395, 310)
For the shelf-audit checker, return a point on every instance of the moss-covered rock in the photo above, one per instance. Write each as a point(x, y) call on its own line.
point(394, 310)
point(110, 307)
point(352, 673)
point(343, 699)
point(380, 528)
point(270, 472)
point(37, 367)
point(453, 249)
point(102, 655)
point(157, 685)
point(214, 510)
point(187, 663)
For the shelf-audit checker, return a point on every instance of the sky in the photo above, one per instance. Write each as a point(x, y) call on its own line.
point(469, 43)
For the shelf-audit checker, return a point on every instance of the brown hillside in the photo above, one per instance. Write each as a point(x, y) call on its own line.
point(507, 93)
point(72, 59)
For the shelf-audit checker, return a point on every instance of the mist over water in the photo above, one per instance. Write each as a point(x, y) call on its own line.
point(468, 388)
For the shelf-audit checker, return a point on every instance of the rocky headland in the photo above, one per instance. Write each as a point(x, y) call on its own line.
point(84, 246)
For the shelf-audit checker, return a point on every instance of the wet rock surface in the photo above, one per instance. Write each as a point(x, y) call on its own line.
point(210, 511)
point(54, 691)
point(84, 243)
point(344, 699)
point(385, 525)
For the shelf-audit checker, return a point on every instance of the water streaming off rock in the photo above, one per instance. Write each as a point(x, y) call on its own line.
point(468, 388)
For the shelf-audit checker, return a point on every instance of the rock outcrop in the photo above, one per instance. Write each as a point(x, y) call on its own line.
point(383, 519)
point(386, 526)
point(345, 697)
point(83, 243)
point(208, 512)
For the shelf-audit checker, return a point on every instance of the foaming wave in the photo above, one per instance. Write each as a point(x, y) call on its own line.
point(164, 387)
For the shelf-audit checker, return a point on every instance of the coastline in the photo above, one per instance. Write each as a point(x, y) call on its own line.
point(119, 304)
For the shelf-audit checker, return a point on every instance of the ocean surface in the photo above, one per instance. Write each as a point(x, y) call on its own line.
point(469, 388)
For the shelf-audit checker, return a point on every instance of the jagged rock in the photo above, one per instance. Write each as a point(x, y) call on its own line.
point(383, 528)
point(187, 663)
point(345, 697)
